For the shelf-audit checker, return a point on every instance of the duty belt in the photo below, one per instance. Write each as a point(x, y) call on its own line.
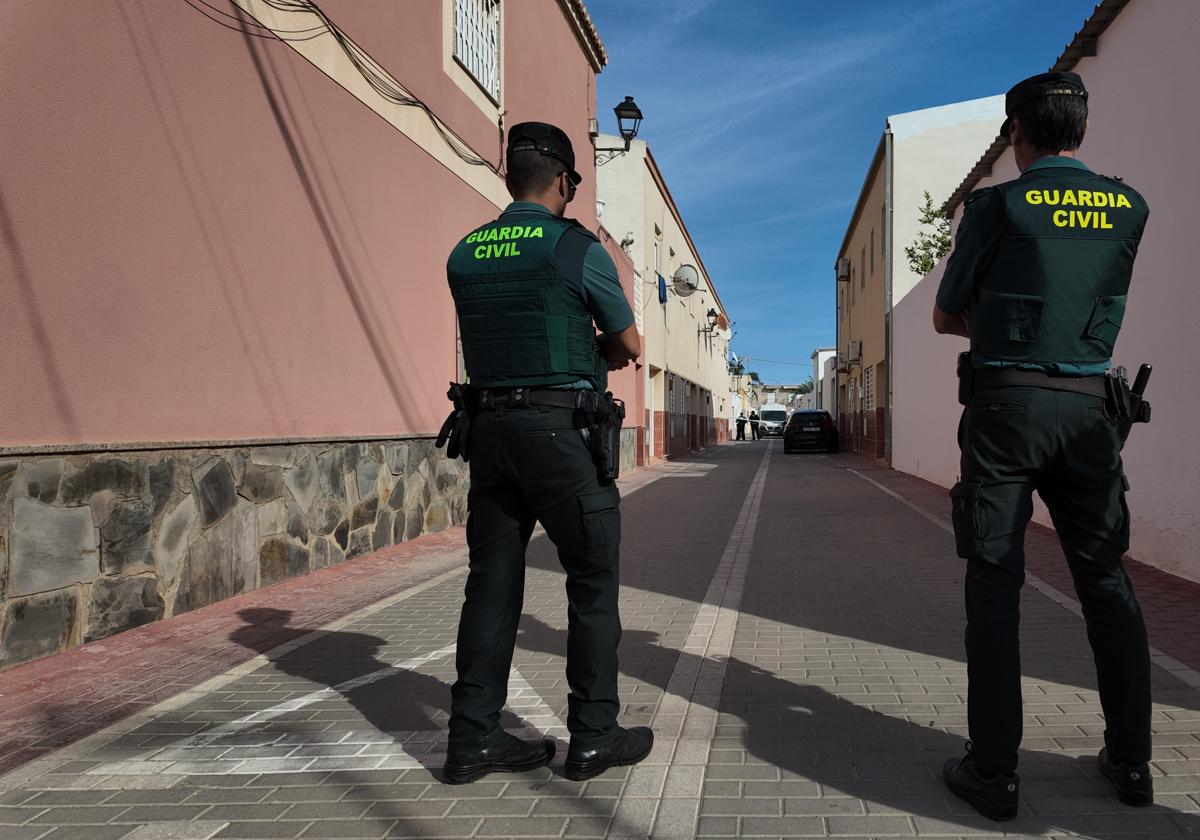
point(488, 398)
point(1016, 378)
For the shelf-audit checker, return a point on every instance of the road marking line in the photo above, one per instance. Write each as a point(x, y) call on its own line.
point(1177, 669)
point(686, 717)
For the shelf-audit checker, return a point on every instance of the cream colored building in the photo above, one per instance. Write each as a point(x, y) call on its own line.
point(685, 339)
point(919, 151)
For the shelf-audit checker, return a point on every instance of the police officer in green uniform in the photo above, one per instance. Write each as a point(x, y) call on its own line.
point(527, 288)
point(1038, 281)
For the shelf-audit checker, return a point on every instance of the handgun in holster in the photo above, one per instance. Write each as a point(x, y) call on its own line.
point(604, 436)
point(456, 431)
point(1127, 404)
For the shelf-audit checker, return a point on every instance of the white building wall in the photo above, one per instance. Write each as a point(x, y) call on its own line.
point(829, 387)
point(933, 149)
point(1149, 47)
point(820, 358)
point(673, 344)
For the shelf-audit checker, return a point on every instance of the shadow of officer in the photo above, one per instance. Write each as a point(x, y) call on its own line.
point(391, 699)
point(811, 734)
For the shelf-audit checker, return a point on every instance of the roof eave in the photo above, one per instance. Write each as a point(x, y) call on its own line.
point(585, 32)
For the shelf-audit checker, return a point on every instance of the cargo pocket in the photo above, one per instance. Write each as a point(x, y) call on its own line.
point(601, 517)
point(1007, 318)
point(989, 520)
point(964, 512)
point(1106, 320)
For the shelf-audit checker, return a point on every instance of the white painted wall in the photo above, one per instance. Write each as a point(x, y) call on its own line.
point(1149, 140)
point(671, 337)
point(933, 149)
point(829, 386)
point(820, 360)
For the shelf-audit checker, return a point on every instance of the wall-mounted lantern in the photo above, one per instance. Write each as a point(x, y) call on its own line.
point(629, 122)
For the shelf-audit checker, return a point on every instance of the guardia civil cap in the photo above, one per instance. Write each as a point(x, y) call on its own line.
point(545, 138)
point(1035, 87)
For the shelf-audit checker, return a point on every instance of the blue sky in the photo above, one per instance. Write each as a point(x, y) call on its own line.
point(764, 114)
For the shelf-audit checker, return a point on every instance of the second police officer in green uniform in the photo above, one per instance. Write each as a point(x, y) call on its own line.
point(527, 288)
point(1038, 281)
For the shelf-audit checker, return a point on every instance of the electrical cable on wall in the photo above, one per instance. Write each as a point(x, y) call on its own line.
point(374, 73)
point(275, 34)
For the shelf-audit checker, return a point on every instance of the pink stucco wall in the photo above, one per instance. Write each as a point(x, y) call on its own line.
point(1148, 139)
point(206, 238)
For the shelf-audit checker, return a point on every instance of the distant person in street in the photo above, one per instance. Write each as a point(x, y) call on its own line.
point(741, 426)
point(543, 437)
point(1037, 281)
point(754, 425)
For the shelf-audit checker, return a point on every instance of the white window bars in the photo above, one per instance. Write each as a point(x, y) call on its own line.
point(477, 42)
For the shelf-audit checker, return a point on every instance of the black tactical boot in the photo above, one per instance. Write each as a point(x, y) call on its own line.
point(994, 796)
point(510, 755)
point(1132, 781)
point(627, 746)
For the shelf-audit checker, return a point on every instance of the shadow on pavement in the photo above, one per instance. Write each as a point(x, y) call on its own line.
point(401, 702)
point(398, 702)
point(813, 735)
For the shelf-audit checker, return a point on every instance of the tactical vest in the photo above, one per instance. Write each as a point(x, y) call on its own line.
point(1053, 291)
point(523, 318)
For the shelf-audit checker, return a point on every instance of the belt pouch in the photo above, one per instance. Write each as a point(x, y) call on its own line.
point(966, 378)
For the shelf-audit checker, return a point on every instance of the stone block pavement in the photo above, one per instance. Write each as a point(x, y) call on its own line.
point(793, 633)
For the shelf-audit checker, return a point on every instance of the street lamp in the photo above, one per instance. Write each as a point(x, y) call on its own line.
point(629, 121)
point(713, 317)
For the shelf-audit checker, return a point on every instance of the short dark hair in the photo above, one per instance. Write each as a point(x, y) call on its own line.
point(530, 172)
point(1054, 123)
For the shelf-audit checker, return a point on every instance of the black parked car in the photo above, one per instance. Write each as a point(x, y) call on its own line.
point(810, 430)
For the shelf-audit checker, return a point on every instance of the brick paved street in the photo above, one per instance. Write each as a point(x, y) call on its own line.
point(793, 633)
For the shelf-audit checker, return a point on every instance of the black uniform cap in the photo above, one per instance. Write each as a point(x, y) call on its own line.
point(547, 139)
point(1035, 87)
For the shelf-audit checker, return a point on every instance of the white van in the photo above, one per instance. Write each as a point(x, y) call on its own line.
point(772, 417)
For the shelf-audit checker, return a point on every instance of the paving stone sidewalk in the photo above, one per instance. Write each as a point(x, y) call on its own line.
point(792, 632)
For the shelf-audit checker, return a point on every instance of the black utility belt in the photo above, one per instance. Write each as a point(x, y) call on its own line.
point(1127, 404)
point(1015, 378)
point(601, 414)
point(487, 398)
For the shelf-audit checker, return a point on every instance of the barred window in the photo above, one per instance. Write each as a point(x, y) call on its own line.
point(477, 41)
point(869, 388)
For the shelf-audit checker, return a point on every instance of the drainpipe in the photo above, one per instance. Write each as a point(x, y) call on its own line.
point(888, 209)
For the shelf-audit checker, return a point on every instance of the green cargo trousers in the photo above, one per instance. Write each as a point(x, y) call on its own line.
point(529, 465)
point(1065, 446)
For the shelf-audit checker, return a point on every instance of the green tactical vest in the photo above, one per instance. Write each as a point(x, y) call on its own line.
point(522, 317)
point(1053, 291)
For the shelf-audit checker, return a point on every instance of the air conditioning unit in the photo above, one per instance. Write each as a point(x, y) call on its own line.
point(843, 269)
point(855, 354)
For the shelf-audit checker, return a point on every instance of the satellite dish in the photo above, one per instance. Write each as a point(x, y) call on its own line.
point(686, 280)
